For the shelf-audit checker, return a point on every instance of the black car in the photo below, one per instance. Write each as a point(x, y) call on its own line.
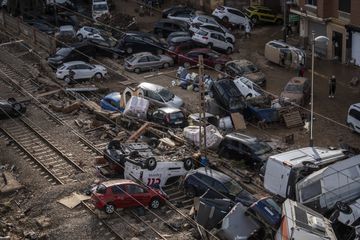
point(76, 52)
point(216, 185)
point(243, 147)
point(135, 42)
point(172, 9)
point(168, 117)
point(228, 95)
point(11, 108)
point(166, 26)
point(108, 47)
point(176, 35)
point(42, 26)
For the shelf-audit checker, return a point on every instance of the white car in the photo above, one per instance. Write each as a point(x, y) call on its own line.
point(247, 88)
point(89, 32)
point(216, 28)
point(231, 15)
point(213, 40)
point(99, 8)
point(353, 118)
point(82, 71)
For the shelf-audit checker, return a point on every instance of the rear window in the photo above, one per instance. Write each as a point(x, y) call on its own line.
point(201, 33)
point(311, 191)
point(101, 189)
point(130, 59)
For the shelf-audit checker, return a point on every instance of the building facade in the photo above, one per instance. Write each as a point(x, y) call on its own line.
point(339, 20)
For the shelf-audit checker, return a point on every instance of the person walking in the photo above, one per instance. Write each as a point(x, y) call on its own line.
point(332, 86)
point(301, 70)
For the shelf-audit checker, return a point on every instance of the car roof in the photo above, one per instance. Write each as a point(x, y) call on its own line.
point(150, 86)
point(214, 174)
point(117, 182)
point(241, 137)
point(355, 105)
point(203, 50)
point(74, 63)
point(168, 20)
point(297, 80)
point(142, 54)
point(240, 62)
point(169, 109)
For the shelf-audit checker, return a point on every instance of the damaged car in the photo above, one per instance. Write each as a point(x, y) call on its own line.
point(11, 108)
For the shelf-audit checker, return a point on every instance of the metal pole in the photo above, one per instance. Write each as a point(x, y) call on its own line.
point(312, 89)
point(285, 22)
point(201, 68)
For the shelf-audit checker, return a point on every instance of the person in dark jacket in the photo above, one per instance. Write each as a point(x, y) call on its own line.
point(332, 86)
point(301, 70)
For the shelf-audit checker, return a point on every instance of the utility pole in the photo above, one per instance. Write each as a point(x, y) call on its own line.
point(285, 21)
point(202, 119)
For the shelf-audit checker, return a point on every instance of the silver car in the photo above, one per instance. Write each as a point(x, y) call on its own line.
point(145, 61)
point(160, 95)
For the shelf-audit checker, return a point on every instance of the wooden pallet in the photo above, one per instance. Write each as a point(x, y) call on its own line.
point(293, 119)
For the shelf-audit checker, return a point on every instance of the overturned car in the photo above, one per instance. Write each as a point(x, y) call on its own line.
point(11, 108)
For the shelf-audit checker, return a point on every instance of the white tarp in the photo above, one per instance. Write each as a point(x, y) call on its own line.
point(137, 107)
point(213, 136)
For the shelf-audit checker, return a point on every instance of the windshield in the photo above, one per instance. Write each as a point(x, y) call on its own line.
point(294, 88)
point(233, 187)
point(131, 58)
point(64, 51)
point(100, 7)
point(260, 148)
point(176, 116)
point(101, 189)
point(250, 68)
point(166, 94)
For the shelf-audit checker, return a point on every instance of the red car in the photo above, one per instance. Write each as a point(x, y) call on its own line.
point(211, 58)
point(180, 48)
point(123, 193)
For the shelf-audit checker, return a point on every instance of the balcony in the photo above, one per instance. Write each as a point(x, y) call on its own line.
point(344, 16)
point(310, 9)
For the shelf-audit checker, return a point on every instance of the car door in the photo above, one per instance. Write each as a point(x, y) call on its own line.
point(139, 196)
point(143, 63)
point(214, 38)
point(120, 198)
point(84, 71)
point(155, 97)
point(154, 62)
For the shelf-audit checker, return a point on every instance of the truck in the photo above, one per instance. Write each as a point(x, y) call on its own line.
point(284, 170)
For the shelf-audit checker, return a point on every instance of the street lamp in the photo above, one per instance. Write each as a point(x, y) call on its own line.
point(314, 40)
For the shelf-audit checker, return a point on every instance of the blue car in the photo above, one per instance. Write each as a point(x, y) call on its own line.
point(111, 102)
point(267, 211)
point(216, 185)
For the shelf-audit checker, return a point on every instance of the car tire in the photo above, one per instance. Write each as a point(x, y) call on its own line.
point(254, 19)
point(187, 65)
point(188, 163)
point(67, 79)
point(98, 76)
point(228, 50)
point(190, 192)
point(248, 96)
point(11, 100)
point(343, 207)
point(166, 65)
point(217, 67)
point(151, 163)
point(17, 107)
point(225, 19)
point(137, 70)
point(80, 37)
point(155, 203)
point(129, 50)
point(109, 208)
point(229, 40)
point(352, 128)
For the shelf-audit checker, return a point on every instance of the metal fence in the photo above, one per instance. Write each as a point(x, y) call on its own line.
point(17, 28)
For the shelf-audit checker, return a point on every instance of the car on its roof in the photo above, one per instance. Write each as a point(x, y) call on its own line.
point(123, 193)
point(245, 68)
point(216, 184)
point(239, 146)
point(258, 13)
point(297, 91)
point(11, 108)
point(143, 61)
point(164, 27)
point(211, 58)
point(169, 117)
point(160, 95)
point(111, 102)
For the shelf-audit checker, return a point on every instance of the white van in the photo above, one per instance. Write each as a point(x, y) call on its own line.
point(338, 182)
point(353, 118)
point(284, 170)
point(99, 8)
point(247, 87)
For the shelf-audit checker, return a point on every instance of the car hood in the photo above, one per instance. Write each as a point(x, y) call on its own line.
point(56, 59)
point(245, 198)
point(292, 97)
point(175, 102)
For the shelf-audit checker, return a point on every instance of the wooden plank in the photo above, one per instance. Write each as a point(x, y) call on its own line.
point(238, 121)
point(293, 119)
point(140, 131)
point(48, 93)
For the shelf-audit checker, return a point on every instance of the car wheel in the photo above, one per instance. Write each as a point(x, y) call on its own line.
point(248, 96)
point(67, 79)
point(98, 76)
point(343, 207)
point(155, 203)
point(229, 40)
point(129, 50)
point(109, 208)
point(225, 19)
point(210, 45)
point(80, 37)
point(352, 128)
point(186, 65)
point(151, 163)
point(12, 100)
point(188, 163)
point(17, 107)
point(166, 65)
point(137, 70)
point(229, 50)
point(190, 192)
point(217, 67)
point(254, 19)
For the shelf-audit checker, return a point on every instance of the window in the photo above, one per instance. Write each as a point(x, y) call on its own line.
point(133, 189)
point(143, 59)
point(117, 189)
point(153, 58)
point(355, 114)
point(345, 6)
point(236, 12)
point(311, 191)
point(154, 95)
point(221, 38)
point(313, 2)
